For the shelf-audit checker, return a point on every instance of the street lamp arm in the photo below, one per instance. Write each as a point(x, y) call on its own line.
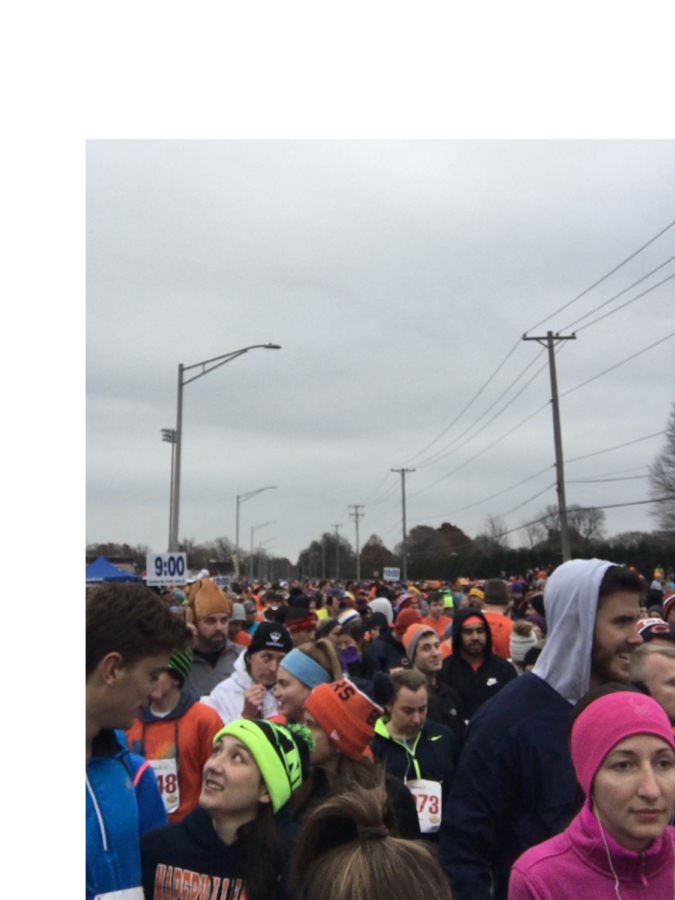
point(242, 497)
point(221, 360)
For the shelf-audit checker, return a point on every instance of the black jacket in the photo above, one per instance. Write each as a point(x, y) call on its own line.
point(444, 705)
point(190, 852)
point(435, 754)
point(475, 688)
point(389, 652)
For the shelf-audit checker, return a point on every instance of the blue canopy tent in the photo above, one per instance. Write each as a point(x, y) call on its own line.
point(103, 570)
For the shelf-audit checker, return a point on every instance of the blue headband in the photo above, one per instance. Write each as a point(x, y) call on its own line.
point(303, 668)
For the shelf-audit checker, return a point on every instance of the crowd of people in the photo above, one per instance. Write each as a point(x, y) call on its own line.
point(501, 739)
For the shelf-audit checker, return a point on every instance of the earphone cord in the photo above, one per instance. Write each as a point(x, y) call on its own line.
point(609, 855)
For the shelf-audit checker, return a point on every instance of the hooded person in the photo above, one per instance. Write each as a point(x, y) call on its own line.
point(249, 692)
point(207, 613)
point(237, 842)
point(473, 670)
point(388, 649)
point(515, 783)
point(620, 843)
point(382, 605)
point(175, 735)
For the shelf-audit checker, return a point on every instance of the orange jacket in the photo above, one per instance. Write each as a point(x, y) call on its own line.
point(193, 732)
point(501, 629)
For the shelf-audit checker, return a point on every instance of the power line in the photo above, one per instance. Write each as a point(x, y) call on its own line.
point(616, 366)
point(464, 409)
point(604, 277)
point(453, 512)
point(376, 489)
point(620, 294)
point(441, 454)
point(616, 447)
point(627, 303)
point(604, 480)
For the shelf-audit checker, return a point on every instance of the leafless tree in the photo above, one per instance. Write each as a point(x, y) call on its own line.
point(662, 477)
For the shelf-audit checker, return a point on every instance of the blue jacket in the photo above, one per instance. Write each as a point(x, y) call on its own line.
point(113, 855)
point(151, 811)
point(514, 787)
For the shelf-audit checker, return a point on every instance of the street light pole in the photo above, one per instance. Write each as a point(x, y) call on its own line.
point(255, 528)
point(208, 365)
point(169, 435)
point(240, 499)
point(356, 515)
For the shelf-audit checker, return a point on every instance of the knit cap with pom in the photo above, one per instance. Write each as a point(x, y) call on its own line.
point(522, 639)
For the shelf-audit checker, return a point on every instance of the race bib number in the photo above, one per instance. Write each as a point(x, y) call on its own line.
point(427, 796)
point(166, 771)
point(127, 894)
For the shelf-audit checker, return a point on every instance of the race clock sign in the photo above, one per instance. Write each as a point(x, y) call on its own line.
point(165, 569)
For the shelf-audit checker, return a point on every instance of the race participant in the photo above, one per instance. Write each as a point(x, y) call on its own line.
point(473, 670)
point(301, 623)
point(354, 654)
point(521, 641)
point(443, 702)
point(236, 627)
point(238, 840)
point(130, 633)
point(669, 607)
point(252, 618)
point(341, 719)
point(653, 665)
point(207, 612)
point(375, 623)
point(437, 618)
point(515, 783)
point(388, 649)
point(348, 845)
point(303, 669)
point(329, 629)
point(248, 693)
point(497, 600)
point(421, 753)
point(175, 733)
point(620, 843)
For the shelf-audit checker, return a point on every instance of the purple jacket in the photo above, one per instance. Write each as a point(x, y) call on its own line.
point(575, 864)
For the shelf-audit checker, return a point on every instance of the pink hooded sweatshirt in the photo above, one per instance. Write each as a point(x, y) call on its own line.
point(575, 866)
point(585, 861)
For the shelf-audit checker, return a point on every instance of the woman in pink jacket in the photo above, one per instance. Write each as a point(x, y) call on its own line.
point(620, 846)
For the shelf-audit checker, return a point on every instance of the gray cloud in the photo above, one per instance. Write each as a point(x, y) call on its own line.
point(395, 275)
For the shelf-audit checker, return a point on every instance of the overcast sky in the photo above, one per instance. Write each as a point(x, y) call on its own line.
point(395, 275)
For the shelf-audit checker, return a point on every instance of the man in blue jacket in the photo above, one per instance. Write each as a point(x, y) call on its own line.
point(130, 634)
point(515, 784)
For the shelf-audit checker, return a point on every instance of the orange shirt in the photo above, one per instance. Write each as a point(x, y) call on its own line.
point(193, 732)
point(440, 626)
point(501, 629)
point(445, 650)
point(243, 638)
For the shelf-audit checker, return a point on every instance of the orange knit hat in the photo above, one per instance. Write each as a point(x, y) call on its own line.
point(346, 715)
point(205, 598)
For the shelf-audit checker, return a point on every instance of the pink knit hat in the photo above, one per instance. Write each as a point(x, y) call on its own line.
point(606, 722)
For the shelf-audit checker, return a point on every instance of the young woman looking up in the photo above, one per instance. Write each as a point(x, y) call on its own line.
point(238, 840)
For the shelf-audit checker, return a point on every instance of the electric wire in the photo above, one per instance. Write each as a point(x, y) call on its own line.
point(604, 277)
point(616, 366)
point(627, 303)
point(615, 447)
point(447, 450)
point(605, 480)
point(620, 294)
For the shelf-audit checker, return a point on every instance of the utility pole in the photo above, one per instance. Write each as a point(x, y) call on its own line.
point(356, 515)
point(323, 556)
point(550, 341)
point(405, 534)
point(337, 551)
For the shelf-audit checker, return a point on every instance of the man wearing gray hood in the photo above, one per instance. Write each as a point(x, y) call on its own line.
point(515, 783)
